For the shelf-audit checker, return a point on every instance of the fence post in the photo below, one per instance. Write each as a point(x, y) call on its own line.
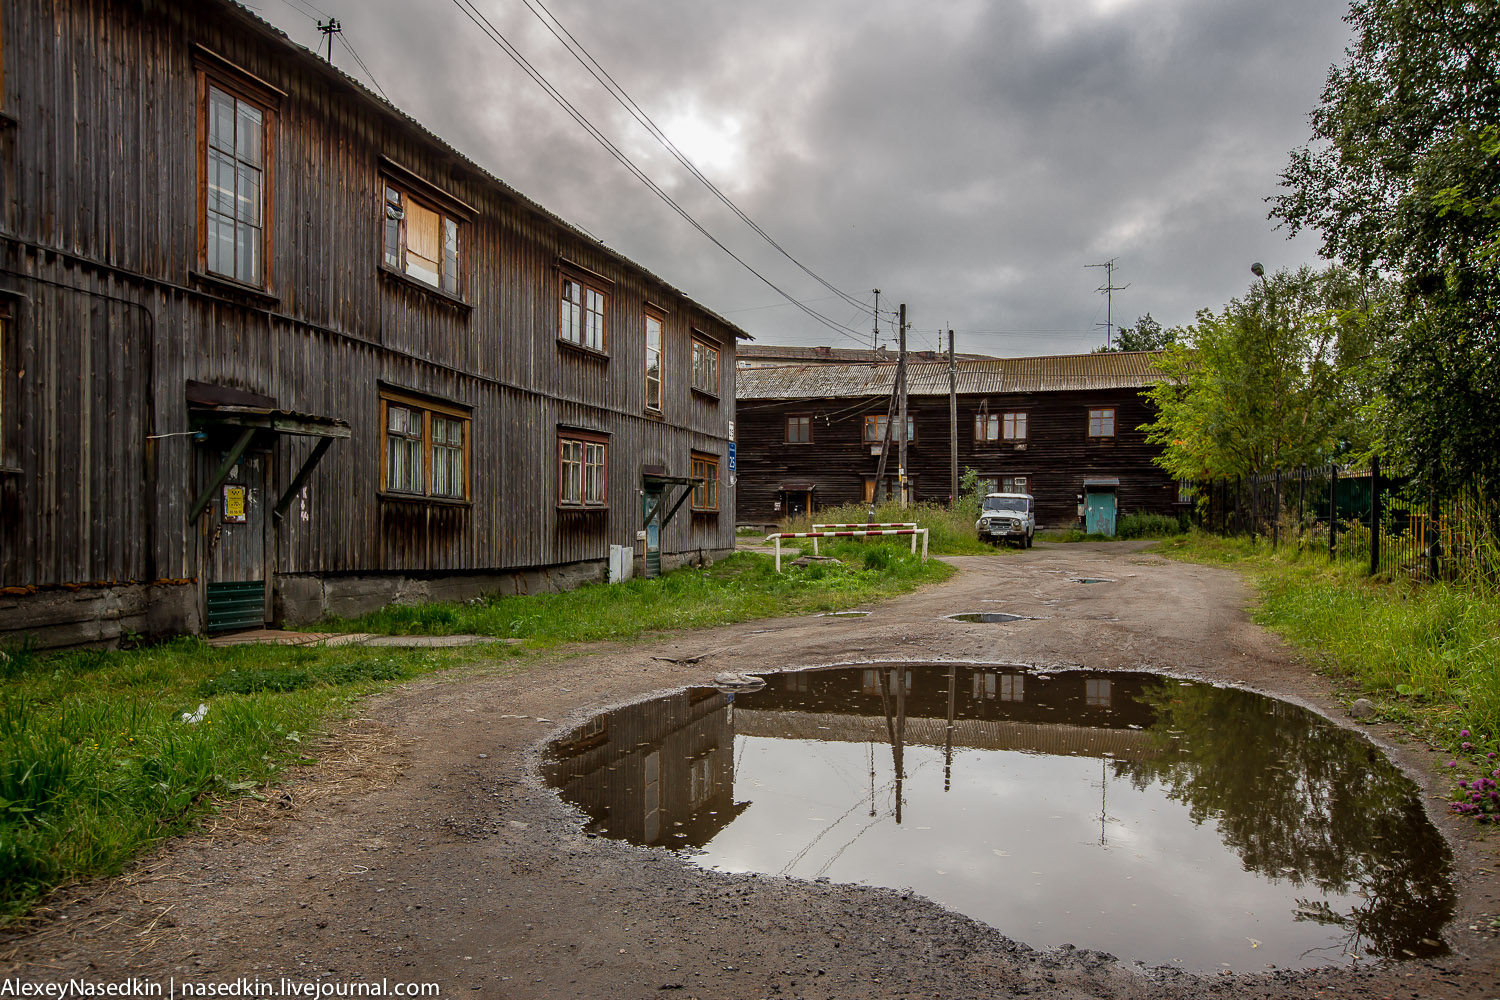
point(1276, 511)
point(1239, 520)
point(1254, 506)
point(1333, 512)
point(1374, 515)
point(1301, 497)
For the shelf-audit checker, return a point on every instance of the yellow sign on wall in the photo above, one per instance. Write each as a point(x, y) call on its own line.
point(234, 505)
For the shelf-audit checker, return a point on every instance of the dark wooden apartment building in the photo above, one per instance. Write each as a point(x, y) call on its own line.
point(1060, 427)
point(269, 349)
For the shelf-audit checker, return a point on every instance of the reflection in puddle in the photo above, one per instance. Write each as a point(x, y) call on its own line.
point(842, 614)
point(1127, 812)
point(1092, 579)
point(988, 617)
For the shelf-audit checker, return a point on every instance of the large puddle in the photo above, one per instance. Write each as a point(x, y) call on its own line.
point(1158, 820)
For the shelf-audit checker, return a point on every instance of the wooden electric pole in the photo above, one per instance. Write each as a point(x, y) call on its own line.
point(952, 424)
point(901, 418)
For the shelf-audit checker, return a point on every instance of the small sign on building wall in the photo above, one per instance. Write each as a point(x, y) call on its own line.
point(234, 505)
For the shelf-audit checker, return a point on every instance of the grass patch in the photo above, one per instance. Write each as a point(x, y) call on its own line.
point(739, 588)
point(97, 763)
point(1424, 653)
point(1074, 535)
point(950, 530)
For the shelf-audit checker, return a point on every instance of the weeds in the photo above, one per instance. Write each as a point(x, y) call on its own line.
point(97, 761)
point(738, 588)
point(950, 530)
point(1424, 653)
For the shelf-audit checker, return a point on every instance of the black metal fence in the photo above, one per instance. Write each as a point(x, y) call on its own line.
point(1362, 513)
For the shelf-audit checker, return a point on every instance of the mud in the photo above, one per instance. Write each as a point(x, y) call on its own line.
point(424, 845)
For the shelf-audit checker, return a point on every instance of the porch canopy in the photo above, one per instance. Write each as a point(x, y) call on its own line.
point(250, 414)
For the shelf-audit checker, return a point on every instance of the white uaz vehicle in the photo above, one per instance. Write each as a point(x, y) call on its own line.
point(1007, 516)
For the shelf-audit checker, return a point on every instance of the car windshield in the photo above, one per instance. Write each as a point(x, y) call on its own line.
point(1017, 504)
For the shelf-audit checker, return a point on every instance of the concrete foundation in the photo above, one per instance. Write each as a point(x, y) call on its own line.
point(98, 616)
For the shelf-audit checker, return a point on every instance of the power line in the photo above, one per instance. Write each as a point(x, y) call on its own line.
point(346, 44)
point(608, 82)
point(490, 31)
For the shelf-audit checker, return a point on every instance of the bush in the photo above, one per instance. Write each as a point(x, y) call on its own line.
point(1148, 526)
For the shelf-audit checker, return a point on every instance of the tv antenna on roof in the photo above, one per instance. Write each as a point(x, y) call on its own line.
point(1108, 288)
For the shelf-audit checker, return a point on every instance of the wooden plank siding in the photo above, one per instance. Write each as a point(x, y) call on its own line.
point(1057, 456)
point(112, 316)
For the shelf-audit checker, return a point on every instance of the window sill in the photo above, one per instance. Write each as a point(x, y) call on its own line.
point(588, 352)
point(10, 470)
point(578, 508)
point(386, 496)
point(407, 281)
point(705, 395)
point(654, 414)
point(230, 286)
point(9, 120)
point(700, 512)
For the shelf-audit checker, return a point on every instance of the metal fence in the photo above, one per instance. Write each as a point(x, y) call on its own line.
point(1362, 513)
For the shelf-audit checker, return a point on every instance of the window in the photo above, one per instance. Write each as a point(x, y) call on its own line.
point(1187, 491)
point(653, 362)
point(235, 150)
point(706, 493)
point(999, 427)
point(1102, 423)
point(425, 448)
point(422, 242)
point(871, 681)
point(799, 429)
point(705, 367)
point(1014, 484)
point(581, 314)
point(1014, 428)
point(989, 484)
point(1012, 687)
point(875, 429)
point(1096, 693)
point(582, 469)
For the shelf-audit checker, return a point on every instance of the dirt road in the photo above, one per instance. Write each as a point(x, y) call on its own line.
point(424, 847)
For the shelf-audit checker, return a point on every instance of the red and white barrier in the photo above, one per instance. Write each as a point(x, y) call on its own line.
point(913, 531)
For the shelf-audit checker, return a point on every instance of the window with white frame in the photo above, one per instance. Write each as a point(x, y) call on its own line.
point(653, 361)
point(235, 150)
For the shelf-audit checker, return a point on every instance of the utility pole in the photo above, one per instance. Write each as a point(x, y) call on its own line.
point(952, 424)
point(876, 344)
point(1108, 288)
point(901, 419)
point(330, 28)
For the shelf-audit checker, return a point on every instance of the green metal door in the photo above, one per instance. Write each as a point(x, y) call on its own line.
point(1099, 513)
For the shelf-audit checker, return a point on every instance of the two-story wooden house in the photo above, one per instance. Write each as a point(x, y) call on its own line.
point(1063, 428)
point(269, 349)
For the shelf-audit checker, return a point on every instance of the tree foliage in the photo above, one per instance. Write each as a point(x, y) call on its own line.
point(1403, 177)
point(1274, 381)
point(1146, 335)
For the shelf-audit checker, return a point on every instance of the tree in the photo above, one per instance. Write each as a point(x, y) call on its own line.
point(1403, 178)
point(1146, 335)
point(1275, 381)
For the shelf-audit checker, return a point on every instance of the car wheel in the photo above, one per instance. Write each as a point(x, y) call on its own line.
point(1029, 539)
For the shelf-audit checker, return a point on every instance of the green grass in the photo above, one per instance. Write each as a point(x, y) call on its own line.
point(1425, 653)
point(741, 587)
point(97, 764)
point(950, 530)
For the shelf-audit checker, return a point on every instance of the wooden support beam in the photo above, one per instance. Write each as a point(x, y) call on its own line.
point(229, 462)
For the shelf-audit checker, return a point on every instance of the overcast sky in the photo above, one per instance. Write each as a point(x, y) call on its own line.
point(968, 158)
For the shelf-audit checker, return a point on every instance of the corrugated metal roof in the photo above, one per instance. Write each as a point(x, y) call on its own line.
point(313, 62)
point(1054, 373)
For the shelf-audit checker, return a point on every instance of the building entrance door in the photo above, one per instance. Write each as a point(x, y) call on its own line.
point(653, 530)
point(234, 566)
point(1099, 512)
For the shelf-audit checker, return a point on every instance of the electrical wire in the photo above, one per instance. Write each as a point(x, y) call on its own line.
point(608, 82)
point(346, 44)
point(494, 35)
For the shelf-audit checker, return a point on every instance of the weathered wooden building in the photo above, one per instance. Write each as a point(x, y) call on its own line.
point(1057, 427)
point(269, 349)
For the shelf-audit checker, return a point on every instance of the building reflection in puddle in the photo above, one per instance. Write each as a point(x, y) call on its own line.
point(1155, 819)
